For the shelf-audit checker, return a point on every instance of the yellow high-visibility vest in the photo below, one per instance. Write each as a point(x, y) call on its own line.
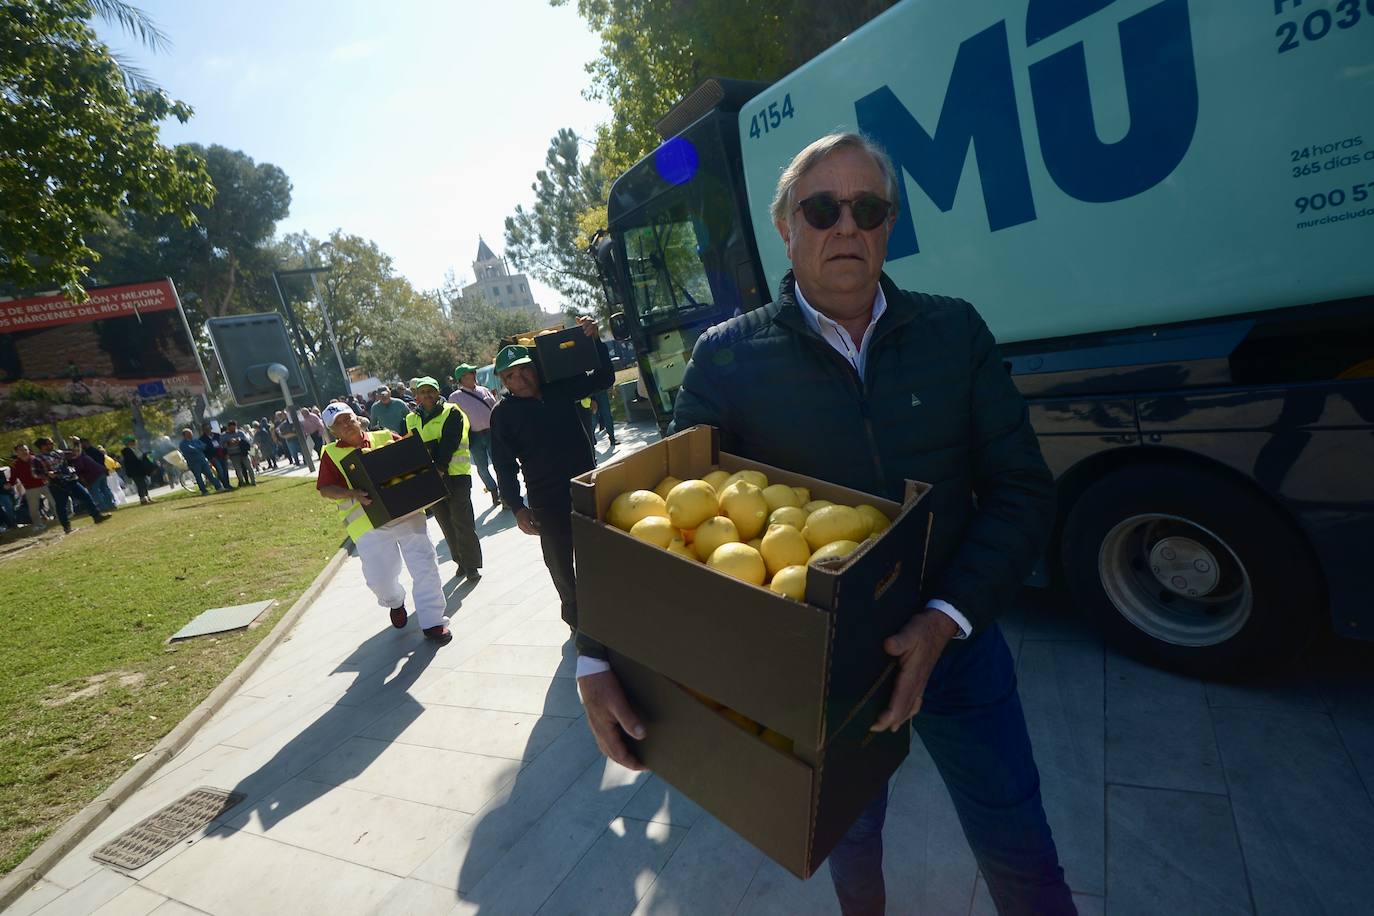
point(351, 512)
point(461, 462)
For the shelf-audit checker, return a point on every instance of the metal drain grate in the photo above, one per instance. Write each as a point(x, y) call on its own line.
point(154, 835)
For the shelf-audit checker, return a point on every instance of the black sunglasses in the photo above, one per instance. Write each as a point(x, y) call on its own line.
point(823, 210)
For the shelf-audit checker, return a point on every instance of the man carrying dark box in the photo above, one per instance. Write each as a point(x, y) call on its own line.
point(444, 429)
point(381, 550)
point(538, 430)
point(899, 385)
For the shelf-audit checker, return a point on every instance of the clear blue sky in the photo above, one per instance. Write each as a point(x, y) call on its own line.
point(418, 124)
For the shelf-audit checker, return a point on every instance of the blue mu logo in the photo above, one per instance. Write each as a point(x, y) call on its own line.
point(980, 110)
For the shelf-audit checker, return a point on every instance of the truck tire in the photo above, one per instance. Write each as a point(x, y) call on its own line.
point(1190, 570)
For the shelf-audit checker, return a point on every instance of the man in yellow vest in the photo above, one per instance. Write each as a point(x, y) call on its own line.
point(382, 549)
point(445, 430)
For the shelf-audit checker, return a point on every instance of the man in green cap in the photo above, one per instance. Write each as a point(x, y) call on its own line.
point(538, 430)
point(476, 403)
point(444, 430)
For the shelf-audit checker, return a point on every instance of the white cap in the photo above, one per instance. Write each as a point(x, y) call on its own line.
point(333, 412)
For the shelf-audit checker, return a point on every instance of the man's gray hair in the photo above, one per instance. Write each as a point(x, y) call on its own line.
point(783, 201)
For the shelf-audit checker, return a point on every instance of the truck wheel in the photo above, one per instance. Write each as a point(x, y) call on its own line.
point(1189, 570)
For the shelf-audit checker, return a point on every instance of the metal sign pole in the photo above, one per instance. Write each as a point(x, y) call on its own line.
point(279, 374)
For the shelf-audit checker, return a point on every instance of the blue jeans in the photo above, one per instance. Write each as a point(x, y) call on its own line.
point(201, 471)
point(101, 493)
point(972, 724)
point(221, 466)
point(7, 516)
point(479, 445)
point(64, 491)
point(293, 448)
point(602, 399)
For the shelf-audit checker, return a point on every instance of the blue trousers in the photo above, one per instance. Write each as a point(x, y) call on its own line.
point(972, 724)
point(201, 471)
point(479, 445)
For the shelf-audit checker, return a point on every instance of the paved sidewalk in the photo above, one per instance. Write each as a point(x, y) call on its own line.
point(384, 776)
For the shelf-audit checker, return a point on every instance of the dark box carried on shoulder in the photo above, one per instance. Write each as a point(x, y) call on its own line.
point(399, 478)
point(683, 636)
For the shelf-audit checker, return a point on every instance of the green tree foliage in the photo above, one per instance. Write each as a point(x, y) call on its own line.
point(80, 139)
point(222, 264)
point(654, 52)
point(548, 240)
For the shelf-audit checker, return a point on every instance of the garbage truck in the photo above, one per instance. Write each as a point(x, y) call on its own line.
point(1164, 210)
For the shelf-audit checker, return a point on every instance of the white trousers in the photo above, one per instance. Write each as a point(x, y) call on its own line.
point(382, 550)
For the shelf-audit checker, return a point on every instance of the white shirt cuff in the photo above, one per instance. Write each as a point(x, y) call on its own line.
point(944, 607)
point(587, 665)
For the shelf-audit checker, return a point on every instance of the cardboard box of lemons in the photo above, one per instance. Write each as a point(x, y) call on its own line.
point(815, 504)
point(834, 550)
point(740, 561)
point(743, 504)
point(666, 485)
point(774, 739)
point(628, 508)
point(654, 529)
point(691, 502)
point(878, 523)
point(779, 495)
point(834, 523)
point(717, 480)
point(788, 515)
point(790, 581)
point(803, 495)
point(784, 546)
point(711, 534)
point(757, 478)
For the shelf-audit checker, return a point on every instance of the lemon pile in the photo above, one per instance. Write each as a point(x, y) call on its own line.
point(743, 526)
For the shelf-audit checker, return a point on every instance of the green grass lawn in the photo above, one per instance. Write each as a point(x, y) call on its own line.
point(89, 681)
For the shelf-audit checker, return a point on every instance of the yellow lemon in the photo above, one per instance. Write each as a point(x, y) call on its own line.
point(717, 480)
point(744, 504)
point(783, 546)
point(690, 503)
point(679, 547)
point(816, 504)
point(776, 740)
point(877, 522)
point(756, 543)
point(834, 550)
point(711, 533)
point(757, 478)
point(779, 495)
point(739, 560)
point(834, 523)
point(803, 495)
point(790, 581)
point(666, 485)
point(628, 508)
point(788, 515)
point(654, 529)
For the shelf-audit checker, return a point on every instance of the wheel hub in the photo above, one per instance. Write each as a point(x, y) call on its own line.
point(1185, 567)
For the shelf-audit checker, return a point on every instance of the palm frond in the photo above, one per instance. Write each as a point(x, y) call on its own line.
point(133, 20)
point(136, 79)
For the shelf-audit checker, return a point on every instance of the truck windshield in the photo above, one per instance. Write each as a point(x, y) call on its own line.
point(667, 276)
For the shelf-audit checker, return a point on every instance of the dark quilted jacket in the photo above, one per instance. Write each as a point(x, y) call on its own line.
point(937, 405)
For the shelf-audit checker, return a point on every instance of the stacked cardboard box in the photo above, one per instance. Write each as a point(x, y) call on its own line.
point(399, 478)
point(814, 672)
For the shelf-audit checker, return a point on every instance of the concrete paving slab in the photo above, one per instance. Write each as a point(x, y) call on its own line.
point(1086, 904)
point(707, 875)
point(535, 661)
point(1305, 821)
point(136, 901)
point(373, 830)
point(506, 692)
point(1062, 693)
point(492, 733)
point(658, 801)
point(448, 779)
point(35, 898)
point(412, 898)
point(1173, 852)
point(774, 891)
point(1159, 730)
point(927, 864)
point(617, 870)
point(536, 633)
point(91, 894)
point(235, 872)
point(1297, 692)
point(177, 908)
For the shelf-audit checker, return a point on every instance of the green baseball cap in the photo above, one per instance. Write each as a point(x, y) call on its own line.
point(463, 369)
point(512, 355)
point(422, 381)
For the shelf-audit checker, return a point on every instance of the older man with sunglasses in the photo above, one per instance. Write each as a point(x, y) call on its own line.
point(899, 385)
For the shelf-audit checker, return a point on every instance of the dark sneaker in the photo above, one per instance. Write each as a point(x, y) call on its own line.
point(495, 500)
point(472, 575)
point(440, 634)
point(398, 617)
point(100, 518)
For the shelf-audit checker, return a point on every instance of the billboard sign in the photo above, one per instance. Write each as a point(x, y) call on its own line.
point(124, 341)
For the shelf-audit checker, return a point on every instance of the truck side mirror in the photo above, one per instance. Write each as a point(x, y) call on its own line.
point(620, 329)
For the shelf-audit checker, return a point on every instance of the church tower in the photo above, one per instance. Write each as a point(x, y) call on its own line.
point(496, 284)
